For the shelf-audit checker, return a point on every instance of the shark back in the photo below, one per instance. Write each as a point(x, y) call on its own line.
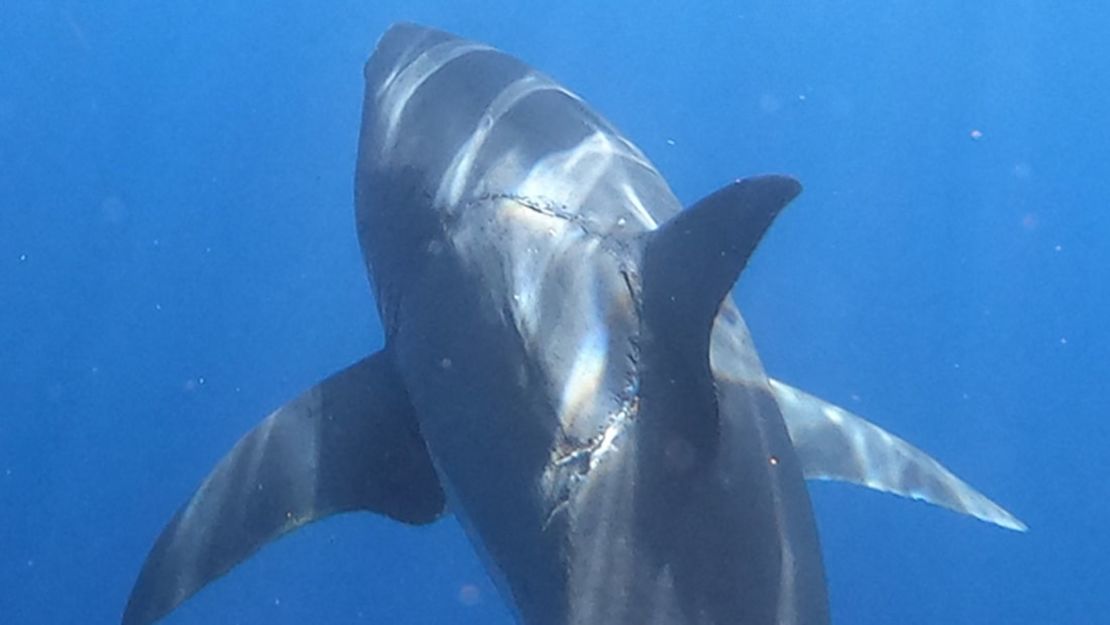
point(475, 123)
point(550, 307)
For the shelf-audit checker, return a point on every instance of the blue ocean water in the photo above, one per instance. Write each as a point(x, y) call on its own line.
point(178, 258)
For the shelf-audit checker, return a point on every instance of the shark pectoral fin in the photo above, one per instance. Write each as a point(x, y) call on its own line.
point(834, 444)
point(349, 443)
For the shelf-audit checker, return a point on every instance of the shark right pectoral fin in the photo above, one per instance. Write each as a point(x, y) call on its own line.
point(834, 444)
point(349, 443)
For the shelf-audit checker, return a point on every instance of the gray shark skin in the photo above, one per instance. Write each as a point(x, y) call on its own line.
point(564, 370)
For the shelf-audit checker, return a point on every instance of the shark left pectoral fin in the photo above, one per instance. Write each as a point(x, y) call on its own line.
point(349, 443)
point(834, 444)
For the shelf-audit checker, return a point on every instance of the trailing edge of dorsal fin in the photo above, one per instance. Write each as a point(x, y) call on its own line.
point(692, 261)
point(348, 443)
point(834, 444)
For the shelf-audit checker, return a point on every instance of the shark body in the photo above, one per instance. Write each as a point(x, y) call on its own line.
point(563, 369)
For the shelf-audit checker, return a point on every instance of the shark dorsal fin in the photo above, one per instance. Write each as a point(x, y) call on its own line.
point(692, 261)
point(687, 268)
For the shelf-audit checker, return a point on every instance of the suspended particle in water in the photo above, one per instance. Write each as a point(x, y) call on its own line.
point(469, 594)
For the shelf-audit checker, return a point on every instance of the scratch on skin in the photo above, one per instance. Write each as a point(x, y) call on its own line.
point(571, 464)
point(572, 460)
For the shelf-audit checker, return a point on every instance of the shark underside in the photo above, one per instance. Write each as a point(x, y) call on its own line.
point(564, 370)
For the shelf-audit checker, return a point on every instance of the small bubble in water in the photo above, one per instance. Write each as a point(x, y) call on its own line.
point(470, 594)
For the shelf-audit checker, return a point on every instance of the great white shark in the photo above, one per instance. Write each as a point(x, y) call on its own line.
point(564, 369)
